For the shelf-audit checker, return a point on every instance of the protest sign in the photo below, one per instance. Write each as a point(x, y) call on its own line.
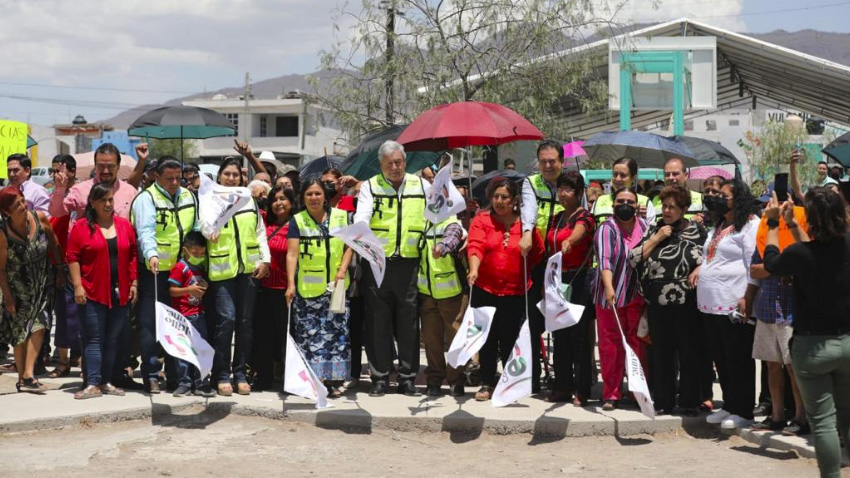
point(443, 199)
point(515, 382)
point(471, 335)
point(217, 203)
point(13, 139)
point(300, 379)
point(181, 340)
point(359, 237)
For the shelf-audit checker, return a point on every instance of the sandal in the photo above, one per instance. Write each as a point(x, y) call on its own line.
point(61, 370)
point(110, 389)
point(334, 392)
point(31, 385)
point(484, 394)
point(243, 388)
point(225, 389)
point(92, 391)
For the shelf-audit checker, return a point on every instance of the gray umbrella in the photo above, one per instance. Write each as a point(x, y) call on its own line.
point(181, 122)
point(648, 149)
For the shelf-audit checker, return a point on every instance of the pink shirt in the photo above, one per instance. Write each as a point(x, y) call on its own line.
point(76, 199)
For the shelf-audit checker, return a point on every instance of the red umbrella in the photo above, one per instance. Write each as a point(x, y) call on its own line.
point(466, 123)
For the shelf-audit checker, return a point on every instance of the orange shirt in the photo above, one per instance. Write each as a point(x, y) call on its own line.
point(785, 237)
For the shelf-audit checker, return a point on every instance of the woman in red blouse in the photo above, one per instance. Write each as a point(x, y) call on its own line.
point(102, 255)
point(571, 233)
point(496, 273)
point(271, 316)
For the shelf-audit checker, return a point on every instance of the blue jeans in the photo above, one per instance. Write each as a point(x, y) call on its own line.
point(101, 328)
point(188, 374)
point(146, 316)
point(233, 306)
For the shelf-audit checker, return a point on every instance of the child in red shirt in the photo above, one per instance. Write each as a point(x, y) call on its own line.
point(187, 287)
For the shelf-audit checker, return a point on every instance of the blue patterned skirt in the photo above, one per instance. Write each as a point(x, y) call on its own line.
point(323, 336)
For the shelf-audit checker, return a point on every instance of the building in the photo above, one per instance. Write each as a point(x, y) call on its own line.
point(295, 130)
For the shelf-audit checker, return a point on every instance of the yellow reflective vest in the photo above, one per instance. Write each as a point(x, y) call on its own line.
point(547, 203)
point(319, 254)
point(174, 219)
point(237, 250)
point(398, 222)
point(603, 208)
point(693, 210)
point(438, 278)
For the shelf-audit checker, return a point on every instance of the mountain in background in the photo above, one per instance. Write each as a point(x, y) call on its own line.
point(827, 45)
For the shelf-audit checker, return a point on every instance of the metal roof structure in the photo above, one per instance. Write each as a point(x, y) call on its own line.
point(750, 72)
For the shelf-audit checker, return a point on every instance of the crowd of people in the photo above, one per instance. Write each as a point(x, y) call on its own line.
point(702, 284)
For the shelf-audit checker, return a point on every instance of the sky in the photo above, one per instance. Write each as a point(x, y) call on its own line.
point(62, 58)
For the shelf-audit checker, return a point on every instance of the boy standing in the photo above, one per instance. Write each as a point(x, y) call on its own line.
point(187, 287)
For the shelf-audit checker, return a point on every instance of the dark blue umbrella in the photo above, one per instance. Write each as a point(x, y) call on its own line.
point(314, 168)
point(479, 186)
point(707, 152)
point(648, 149)
point(839, 150)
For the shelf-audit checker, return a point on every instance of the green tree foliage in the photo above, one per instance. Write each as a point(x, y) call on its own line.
point(171, 147)
point(769, 152)
point(502, 51)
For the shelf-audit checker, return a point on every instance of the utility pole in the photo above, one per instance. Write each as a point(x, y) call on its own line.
point(247, 122)
point(388, 81)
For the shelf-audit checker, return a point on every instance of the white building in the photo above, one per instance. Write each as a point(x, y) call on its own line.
point(292, 128)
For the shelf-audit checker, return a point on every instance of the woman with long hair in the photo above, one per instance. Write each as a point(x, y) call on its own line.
point(624, 173)
point(27, 283)
point(498, 275)
point(820, 348)
point(319, 260)
point(721, 283)
point(271, 316)
point(101, 256)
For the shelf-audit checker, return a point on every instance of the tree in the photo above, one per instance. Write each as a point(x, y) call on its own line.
point(435, 51)
point(769, 152)
point(171, 147)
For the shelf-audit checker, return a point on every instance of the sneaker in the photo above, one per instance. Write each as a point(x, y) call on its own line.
point(717, 417)
point(152, 387)
point(763, 409)
point(769, 425)
point(457, 390)
point(734, 421)
point(434, 391)
point(205, 391)
point(182, 391)
point(796, 428)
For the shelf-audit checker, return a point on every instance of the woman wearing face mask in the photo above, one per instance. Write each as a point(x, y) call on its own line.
point(616, 285)
point(710, 187)
point(623, 175)
point(668, 254)
point(271, 317)
point(722, 290)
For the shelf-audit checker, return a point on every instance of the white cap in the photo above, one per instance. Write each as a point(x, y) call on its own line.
point(267, 155)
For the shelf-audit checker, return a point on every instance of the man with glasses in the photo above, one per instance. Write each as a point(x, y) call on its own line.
point(192, 178)
point(19, 168)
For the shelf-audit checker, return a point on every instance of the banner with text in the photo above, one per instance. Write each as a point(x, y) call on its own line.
point(181, 340)
point(13, 139)
point(471, 335)
point(443, 199)
point(217, 203)
point(359, 237)
point(515, 382)
point(300, 379)
point(635, 375)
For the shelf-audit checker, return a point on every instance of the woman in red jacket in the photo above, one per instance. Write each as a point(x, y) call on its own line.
point(102, 262)
point(498, 276)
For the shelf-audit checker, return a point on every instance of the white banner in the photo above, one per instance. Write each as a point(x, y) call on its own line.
point(634, 372)
point(359, 237)
point(516, 376)
point(300, 379)
point(557, 311)
point(443, 199)
point(217, 203)
point(181, 340)
point(471, 336)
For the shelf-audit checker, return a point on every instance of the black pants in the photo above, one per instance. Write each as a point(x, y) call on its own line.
point(271, 324)
point(572, 352)
point(675, 330)
point(732, 352)
point(393, 318)
point(151, 287)
point(536, 323)
point(503, 332)
point(355, 334)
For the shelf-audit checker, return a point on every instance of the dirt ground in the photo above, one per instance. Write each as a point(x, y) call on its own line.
point(200, 444)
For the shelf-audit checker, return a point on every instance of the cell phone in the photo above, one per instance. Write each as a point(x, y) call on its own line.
point(780, 186)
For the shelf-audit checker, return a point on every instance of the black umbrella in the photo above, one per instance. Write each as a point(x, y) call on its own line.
point(479, 186)
point(839, 150)
point(181, 122)
point(707, 152)
point(363, 162)
point(314, 168)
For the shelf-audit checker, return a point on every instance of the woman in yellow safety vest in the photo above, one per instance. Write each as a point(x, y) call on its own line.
point(319, 261)
point(623, 175)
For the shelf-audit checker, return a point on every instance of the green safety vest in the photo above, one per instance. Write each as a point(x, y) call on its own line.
point(438, 278)
point(603, 208)
point(173, 221)
point(547, 203)
point(398, 223)
point(319, 255)
point(237, 250)
point(696, 205)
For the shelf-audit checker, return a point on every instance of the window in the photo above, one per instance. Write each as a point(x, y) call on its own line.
point(264, 126)
point(286, 126)
point(734, 122)
point(710, 125)
point(234, 120)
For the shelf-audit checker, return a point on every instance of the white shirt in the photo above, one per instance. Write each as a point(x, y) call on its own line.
point(723, 278)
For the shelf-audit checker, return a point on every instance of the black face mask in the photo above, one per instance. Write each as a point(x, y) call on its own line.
point(330, 190)
point(624, 212)
point(262, 202)
point(716, 204)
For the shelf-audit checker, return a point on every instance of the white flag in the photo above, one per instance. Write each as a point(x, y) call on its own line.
point(516, 376)
point(359, 237)
point(634, 372)
point(181, 340)
point(443, 199)
point(556, 310)
point(217, 203)
point(300, 379)
point(471, 335)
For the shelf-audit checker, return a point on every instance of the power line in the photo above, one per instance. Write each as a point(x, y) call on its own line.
point(768, 12)
point(96, 88)
point(65, 102)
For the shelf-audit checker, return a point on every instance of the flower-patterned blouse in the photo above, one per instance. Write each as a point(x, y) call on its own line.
point(664, 274)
